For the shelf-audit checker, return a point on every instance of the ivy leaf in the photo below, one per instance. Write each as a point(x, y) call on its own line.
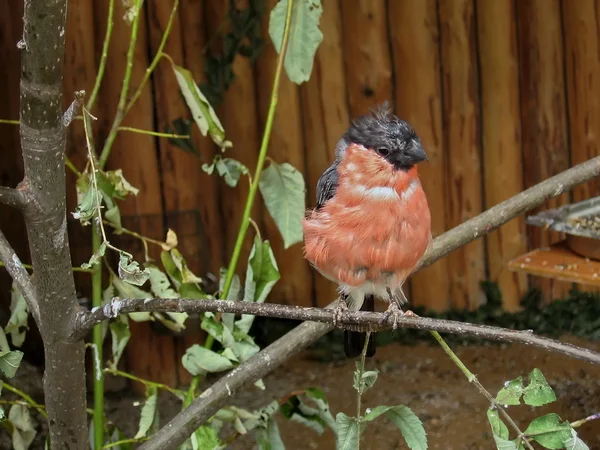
point(575, 443)
point(149, 413)
point(305, 36)
point(261, 275)
point(228, 168)
point(548, 431)
point(283, 189)
point(538, 392)
point(129, 270)
point(198, 360)
point(203, 113)
point(95, 258)
point(407, 422)
point(348, 432)
point(511, 393)
point(19, 314)
point(23, 430)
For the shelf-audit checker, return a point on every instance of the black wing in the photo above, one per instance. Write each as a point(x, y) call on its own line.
point(327, 185)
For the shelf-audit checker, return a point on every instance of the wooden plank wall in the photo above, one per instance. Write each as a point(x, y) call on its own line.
point(503, 94)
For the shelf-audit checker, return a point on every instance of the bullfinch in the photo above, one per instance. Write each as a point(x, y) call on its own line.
point(371, 224)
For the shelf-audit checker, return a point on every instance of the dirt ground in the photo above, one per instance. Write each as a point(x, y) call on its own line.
point(422, 377)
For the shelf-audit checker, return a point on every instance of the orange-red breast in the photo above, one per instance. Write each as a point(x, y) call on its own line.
point(371, 224)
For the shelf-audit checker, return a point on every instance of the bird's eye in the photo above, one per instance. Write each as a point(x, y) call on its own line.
point(383, 151)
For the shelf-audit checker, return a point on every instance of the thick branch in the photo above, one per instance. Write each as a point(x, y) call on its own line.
point(15, 269)
point(184, 424)
point(369, 320)
point(13, 197)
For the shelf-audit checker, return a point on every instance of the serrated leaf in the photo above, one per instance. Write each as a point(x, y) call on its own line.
point(575, 443)
point(548, 431)
point(538, 392)
point(95, 258)
point(407, 422)
point(261, 275)
point(367, 380)
point(19, 315)
point(129, 270)
point(120, 335)
point(269, 438)
point(203, 113)
point(349, 432)
point(511, 393)
point(230, 169)
point(149, 412)
point(283, 190)
point(305, 36)
point(198, 360)
point(23, 431)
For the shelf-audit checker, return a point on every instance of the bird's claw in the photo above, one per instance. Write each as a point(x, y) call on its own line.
point(397, 313)
point(340, 314)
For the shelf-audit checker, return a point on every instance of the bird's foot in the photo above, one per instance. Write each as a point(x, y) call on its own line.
point(340, 313)
point(397, 313)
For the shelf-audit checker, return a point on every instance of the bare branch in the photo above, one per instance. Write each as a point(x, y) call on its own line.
point(15, 269)
point(184, 424)
point(13, 197)
point(371, 321)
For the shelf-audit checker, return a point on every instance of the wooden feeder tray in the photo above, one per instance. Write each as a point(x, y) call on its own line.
point(577, 258)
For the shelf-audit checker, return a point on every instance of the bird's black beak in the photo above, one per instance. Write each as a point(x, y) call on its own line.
point(416, 154)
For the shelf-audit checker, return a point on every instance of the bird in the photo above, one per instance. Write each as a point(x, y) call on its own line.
point(371, 223)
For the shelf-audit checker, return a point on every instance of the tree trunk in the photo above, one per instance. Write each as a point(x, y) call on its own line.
point(43, 145)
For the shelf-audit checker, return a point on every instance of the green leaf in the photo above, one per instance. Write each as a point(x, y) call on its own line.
point(95, 258)
point(283, 191)
point(149, 412)
point(122, 187)
point(127, 290)
point(206, 438)
point(349, 432)
point(407, 422)
point(511, 393)
point(187, 276)
point(269, 438)
point(310, 409)
point(88, 201)
point(367, 380)
point(305, 36)
point(261, 275)
point(499, 429)
point(23, 431)
point(161, 288)
point(230, 169)
point(120, 334)
point(198, 360)
point(575, 443)
point(9, 362)
point(538, 392)
point(129, 270)
point(548, 431)
point(113, 216)
point(19, 314)
point(204, 115)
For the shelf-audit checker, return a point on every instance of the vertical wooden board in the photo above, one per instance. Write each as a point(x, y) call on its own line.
point(543, 114)
point(80, 74)
point(366, 53)
point(582, 62)
point(501, 135)
point(207, 200)
point(325, 118)
point(238, 116)
point(149, 355)
point(462, 143)
point(414, 35)
point(286, 145)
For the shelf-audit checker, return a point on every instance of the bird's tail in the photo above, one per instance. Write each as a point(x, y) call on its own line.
point(354, 341)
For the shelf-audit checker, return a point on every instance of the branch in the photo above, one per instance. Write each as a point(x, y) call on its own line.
point(186, 422)
point(13, 197)
point(372, 321)
point(15, 269)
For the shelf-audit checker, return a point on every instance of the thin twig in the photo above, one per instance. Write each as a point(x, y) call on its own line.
point(13, 197)
point(154, 133)
point(360, 384)
point(15, 269)
point(183, 424)
point(104, 57)
point(9, 122)
point(27, 398)
point(176, 392)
